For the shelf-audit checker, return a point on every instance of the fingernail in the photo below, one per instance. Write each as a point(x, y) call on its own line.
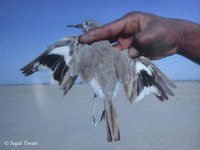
point(86, 38)
point(81, 39)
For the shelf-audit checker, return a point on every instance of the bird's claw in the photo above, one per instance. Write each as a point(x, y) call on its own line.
point(94, 122)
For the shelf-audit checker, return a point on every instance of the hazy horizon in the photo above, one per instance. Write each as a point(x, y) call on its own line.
point(79, 82)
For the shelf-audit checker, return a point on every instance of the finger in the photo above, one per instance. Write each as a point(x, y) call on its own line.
point(148, 37)
point(110, 30)
point(118, 46)
point(124, 43)
point(172, 51)
point(154, 58)
point(133, 52)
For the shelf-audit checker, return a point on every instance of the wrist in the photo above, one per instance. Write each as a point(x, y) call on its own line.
point(190, 42)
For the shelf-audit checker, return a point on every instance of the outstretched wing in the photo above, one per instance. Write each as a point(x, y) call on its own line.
point(142, 78)
point(149, 79)
point(57, 59)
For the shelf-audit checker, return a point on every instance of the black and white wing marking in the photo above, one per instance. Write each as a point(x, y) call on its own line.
point(149, 79)
point(57, 59)
point(141, 77)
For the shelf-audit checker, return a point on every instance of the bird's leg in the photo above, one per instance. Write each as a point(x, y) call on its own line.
point(94, 122)
point(102, 115)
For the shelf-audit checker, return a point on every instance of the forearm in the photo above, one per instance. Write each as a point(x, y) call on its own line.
point(190, 46)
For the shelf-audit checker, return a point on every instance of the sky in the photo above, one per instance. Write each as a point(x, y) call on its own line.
point(27, 27)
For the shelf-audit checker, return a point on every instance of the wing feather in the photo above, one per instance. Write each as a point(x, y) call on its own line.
point(141, 77)
point(57, 59)
point(151, 80)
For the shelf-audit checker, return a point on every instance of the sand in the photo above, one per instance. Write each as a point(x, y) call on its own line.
point(41, 115)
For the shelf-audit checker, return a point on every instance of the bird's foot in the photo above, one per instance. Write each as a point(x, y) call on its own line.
point(94, 122)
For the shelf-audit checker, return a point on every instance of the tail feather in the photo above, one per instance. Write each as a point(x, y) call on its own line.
point(113, 133)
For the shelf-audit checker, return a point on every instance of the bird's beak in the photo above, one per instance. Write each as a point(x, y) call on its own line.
point(75, 26)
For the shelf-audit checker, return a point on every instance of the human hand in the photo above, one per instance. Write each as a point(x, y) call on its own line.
point(142, 34)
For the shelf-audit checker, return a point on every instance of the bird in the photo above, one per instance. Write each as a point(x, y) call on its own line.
point(102, 67)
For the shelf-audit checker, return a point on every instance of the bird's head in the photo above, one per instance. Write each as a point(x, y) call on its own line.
point(86, 25)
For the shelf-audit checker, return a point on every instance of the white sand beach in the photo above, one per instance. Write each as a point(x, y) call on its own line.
point(41, 115)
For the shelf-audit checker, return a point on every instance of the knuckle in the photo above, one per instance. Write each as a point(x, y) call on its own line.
point(133, 13)
point(141, 40)
point(108, 30)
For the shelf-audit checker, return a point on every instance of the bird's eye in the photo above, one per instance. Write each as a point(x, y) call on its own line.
point(86, 23)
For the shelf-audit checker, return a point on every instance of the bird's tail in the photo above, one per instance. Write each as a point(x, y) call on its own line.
point(113, 133)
